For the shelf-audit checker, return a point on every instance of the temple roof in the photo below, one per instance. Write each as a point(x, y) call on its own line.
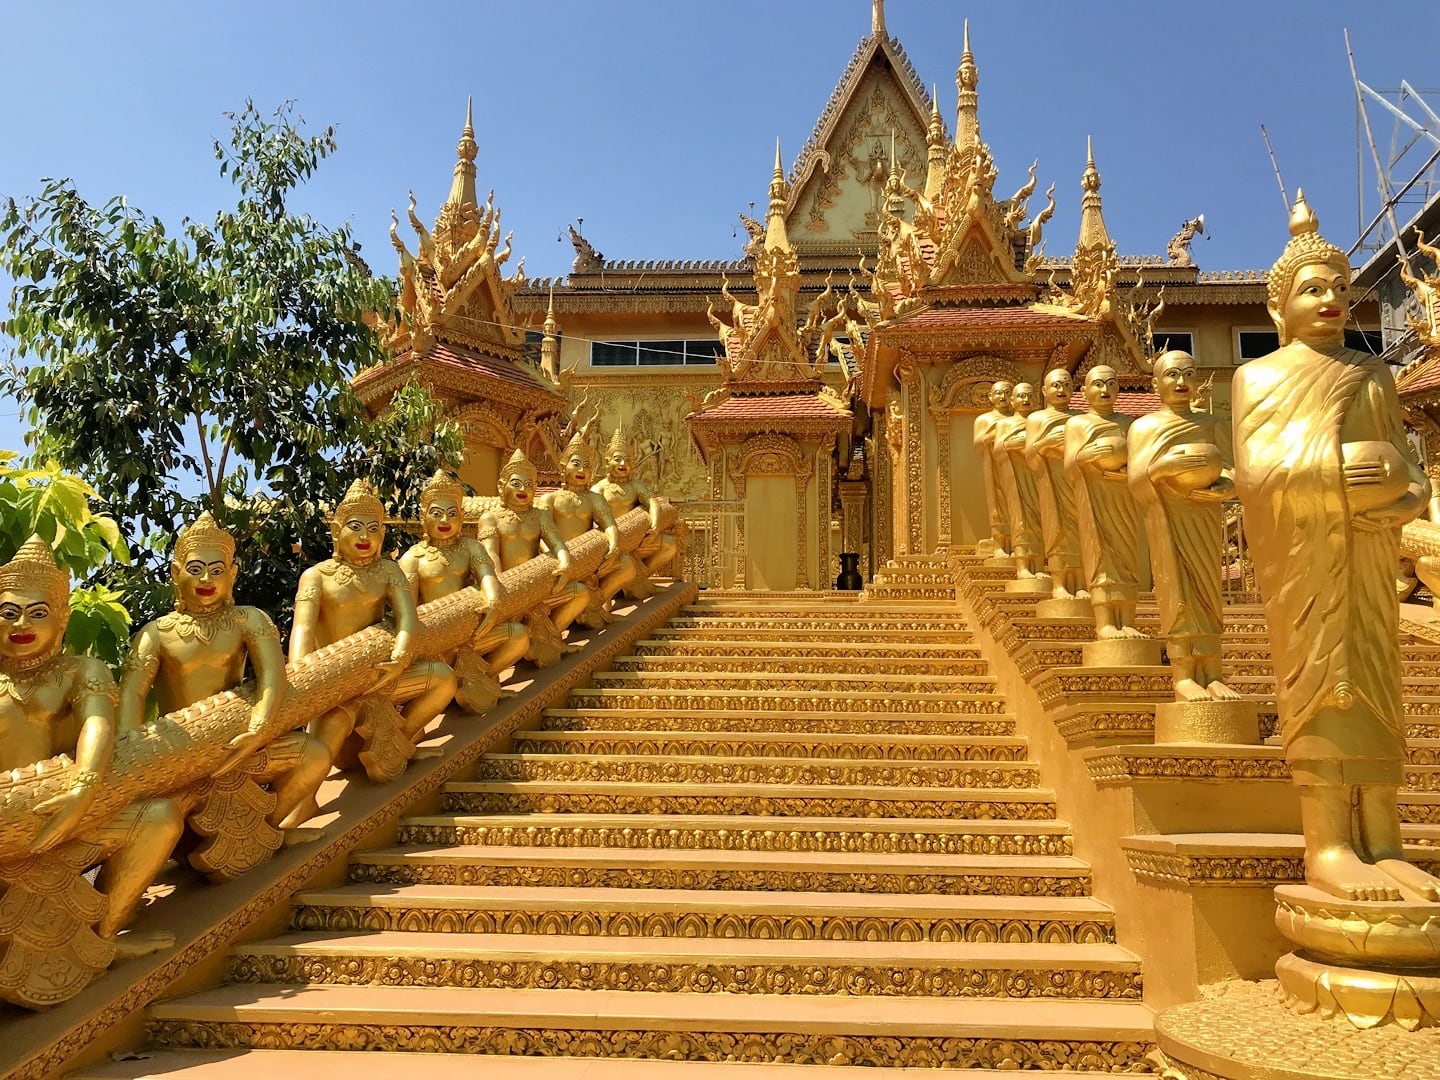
point(778, 407)
point(459, 371)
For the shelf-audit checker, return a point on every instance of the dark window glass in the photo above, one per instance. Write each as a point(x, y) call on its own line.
point(656, 353)
point(703, 352)
point(1255, 343)
point(1368, 341)
point(612, 353)
point(1174, 339)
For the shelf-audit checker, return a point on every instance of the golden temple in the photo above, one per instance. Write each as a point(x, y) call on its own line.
point(1122, 760)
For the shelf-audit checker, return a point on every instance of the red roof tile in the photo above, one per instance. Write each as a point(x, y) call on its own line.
point(989, 317)
point(1128, 402)
point(1424, 376)
point(774, 407)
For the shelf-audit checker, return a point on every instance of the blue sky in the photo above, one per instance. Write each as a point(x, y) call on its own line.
point(655, 120)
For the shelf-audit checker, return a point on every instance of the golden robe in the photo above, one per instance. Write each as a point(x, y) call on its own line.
point(1018, 484)
point(1186, 538)
point(1106, 517)
point(1058, 527)
point(1329, 590)
point(994, 496)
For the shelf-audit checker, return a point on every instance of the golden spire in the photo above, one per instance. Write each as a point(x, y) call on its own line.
point(967, 80)
point(550, 344)
point(776, 237)
point(935, 155)
point(462, 188)
point(1093, 234)
point(877, 19)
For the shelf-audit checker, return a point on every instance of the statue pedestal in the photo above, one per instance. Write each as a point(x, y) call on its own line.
point(1373, 962)
point(1063, 609)
point(1040, 585)
point(1211, 722)
point(1121, 652)
point(997, 561)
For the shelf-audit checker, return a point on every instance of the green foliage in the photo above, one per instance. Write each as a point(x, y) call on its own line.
point(218, 357)
point(56, 506)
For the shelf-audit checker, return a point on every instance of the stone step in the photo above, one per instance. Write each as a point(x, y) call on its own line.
point(726, 832)
point(787, 679)
point(1086, 1033)
point(828, 872)
point(1420, 807)
point(698, 721)
point(722, 659)
point(716, 914)
point(850, 651)
point(691, 965)
point(713, 769)
point(819, 634)
point(852, 622)
point(777, 745)
point(798, 800)
point(461, 1064)
point(801, 699)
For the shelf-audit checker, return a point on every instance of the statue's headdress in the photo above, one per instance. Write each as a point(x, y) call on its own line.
point(360, 498)
point(441, 486)
point(1306, 248)
point(620, 443)
point(203, 532)
point(518, 465)
point(34, 567)
point(580, 444)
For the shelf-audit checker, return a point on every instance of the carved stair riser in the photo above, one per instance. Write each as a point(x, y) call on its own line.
point(871, 805)
point(680, 720)
point(856, 748)
point(645, 770)
point(902, 704)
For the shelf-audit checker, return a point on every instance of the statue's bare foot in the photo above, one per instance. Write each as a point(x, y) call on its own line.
point(1109, 633)
point(1024, 573)
point(301, 814)
point(1340, 872)
point(1415, 884)
point(1220, 692)
point(132, 943)
point(1082, 594)
point(424, 753)
point(301, 835)
point(1190, 690)
point(1061, 593)
point(1131, 632)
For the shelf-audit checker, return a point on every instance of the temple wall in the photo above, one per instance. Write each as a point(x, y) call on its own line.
point(770, 554)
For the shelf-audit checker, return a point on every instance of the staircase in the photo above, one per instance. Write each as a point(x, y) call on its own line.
point(784, 833)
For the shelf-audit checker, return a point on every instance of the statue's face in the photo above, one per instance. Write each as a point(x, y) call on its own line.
point(1175, 379)
point(1023, 398)
point(1102, 386)
point(1317, 307)
point(619, 465)
point(205, 581)
point(30, 629)
point(518, 492)
point(1058, 389)
point(577, 470)
point(442, 520)
point(1000, 395)
point(359, 539)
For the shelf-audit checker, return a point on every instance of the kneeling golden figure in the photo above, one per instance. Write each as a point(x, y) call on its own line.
point(624, 491)
point(576, 510)
point(445, 562)
point(53, 704)
point(342, 596)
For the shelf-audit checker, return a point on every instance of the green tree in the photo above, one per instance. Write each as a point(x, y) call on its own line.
point(56, 506)
point(155, 362)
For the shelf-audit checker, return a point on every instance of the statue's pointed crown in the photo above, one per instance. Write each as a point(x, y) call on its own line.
point(203, 532)
point(1306, 248)
point(34, 568)
point(518, 465)
point(441, 486)
point(619, 442)
point(360, 497)
point(580, 444)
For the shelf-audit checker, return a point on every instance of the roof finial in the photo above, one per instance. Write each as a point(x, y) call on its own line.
point(877, 19)
point(775, 234)
point(967, 81)
point(549, 343)
point(462, 188)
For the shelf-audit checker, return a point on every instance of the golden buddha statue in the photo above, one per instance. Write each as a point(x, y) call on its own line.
point(576, 509)
point(345, 594)
point(1179, 476)
point(512, 535)
point(1105, 514)
point(1045, 454)
point(202, 649)
point(52, 704)
point(982, 437)
point(1018, 482)
point(446, 561)
point(624, 492)
point(1327, 478)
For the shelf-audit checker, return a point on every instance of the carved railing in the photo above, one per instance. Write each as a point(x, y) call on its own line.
point(48, 910)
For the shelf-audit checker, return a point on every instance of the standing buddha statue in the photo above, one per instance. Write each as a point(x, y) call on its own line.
point(624, 492)
point(53, 704)
point(512, 535)
point(1105, 514)
point(576, 509)
point(1018, 481)
point(446, 561)
point(1045, 453)
point(348, 592)
point(1180, 476)
point(982, 436)
point(202, 648)
point(1327, 478)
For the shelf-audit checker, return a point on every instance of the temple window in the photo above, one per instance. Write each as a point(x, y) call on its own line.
point(654, 353)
